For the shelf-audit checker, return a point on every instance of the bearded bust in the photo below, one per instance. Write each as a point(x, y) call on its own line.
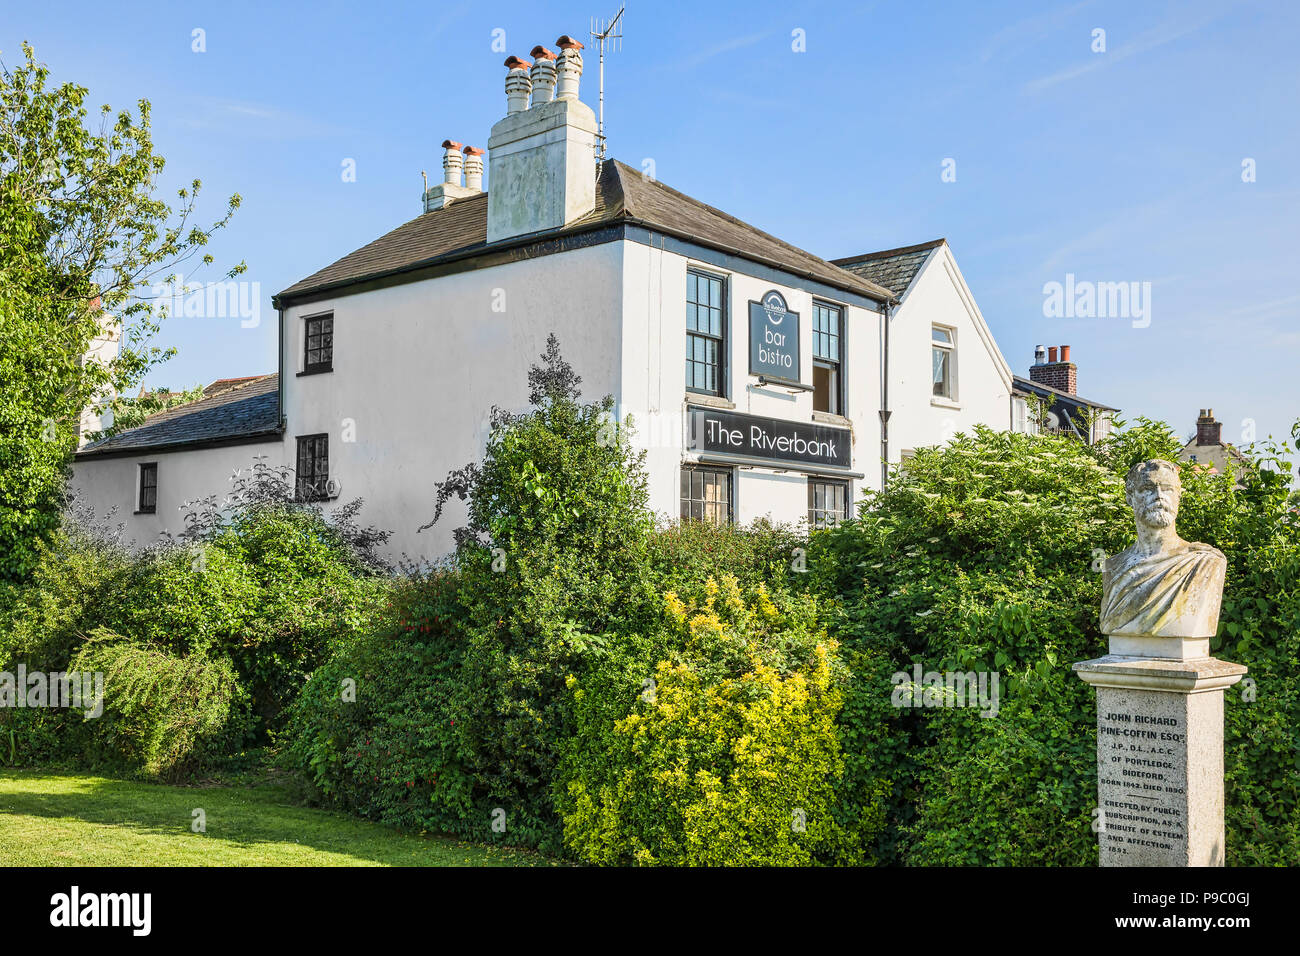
point(1162, 586)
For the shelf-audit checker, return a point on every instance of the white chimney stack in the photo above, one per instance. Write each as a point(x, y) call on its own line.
point(474, 169)
point(543, 75)
point(568, 68)
point(542, 160)
point(453, 162)
point(518, 85)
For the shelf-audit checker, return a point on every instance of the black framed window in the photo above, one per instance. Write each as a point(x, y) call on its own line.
point(706, 494)
point(318, 344)
point(706, 333)
point(313, 472)
point(828, 502)
point(148, 503)
point(828, 358)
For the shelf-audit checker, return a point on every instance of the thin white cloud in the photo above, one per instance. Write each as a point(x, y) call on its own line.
point(1150, 40)
point(736, 43)
point(1287, 305)
point(1023, 34)
point(259, 120)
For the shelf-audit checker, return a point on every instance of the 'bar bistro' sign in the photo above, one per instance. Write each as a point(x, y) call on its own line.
point(731, 433)
point(773, 339)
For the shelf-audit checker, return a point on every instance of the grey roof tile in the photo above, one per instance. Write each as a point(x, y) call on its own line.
point(895, 269)
point(623, 194)
point(246, 411)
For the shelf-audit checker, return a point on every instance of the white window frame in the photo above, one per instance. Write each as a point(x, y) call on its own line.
point(951, 349)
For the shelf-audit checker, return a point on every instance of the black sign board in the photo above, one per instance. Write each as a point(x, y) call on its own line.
point(773, 339)
point(731, 433)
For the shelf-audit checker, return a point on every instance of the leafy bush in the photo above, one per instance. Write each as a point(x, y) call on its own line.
point(685, 555)
point(386, 745)
point(727, 755)
point(166, 716)
point(269, 588)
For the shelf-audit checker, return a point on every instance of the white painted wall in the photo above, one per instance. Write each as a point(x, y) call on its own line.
point(418, 366)
point(111, 486)
point(939, 296)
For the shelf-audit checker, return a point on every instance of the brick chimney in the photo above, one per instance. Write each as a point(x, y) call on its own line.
point(1208, 431)
point(1060, 374)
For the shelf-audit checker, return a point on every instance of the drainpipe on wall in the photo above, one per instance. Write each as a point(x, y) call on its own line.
point(884, 407)
point(279, 385)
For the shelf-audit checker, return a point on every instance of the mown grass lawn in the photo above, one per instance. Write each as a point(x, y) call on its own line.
point(58, 819)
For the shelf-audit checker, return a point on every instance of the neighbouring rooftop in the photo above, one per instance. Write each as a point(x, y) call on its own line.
point(893, 269)
point(231, 411)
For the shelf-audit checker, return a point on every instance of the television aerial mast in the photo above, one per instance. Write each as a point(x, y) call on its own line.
point(603, 31)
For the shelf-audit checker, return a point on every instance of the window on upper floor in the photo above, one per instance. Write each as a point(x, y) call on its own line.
point(943, 348)
point(318, 344)
point(828, 502)
point(706, 494)
point(706, 333)
point(313, 471)
point(148, 501)
point(828, 359)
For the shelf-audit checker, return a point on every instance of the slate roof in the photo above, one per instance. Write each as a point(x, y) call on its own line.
point(623, 195)
point(892, 268)
point(247, 411)
point(1029, 386)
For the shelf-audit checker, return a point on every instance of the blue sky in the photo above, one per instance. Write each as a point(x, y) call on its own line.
point(1117, 166)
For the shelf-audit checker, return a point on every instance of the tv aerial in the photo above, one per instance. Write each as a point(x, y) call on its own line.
point(602, 32)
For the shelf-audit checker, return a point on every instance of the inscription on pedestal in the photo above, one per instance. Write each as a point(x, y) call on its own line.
point(1141, 779)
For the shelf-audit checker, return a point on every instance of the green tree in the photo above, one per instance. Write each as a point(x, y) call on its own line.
point(83, 238)
point(555, 553)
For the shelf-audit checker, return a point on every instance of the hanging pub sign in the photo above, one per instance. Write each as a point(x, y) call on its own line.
point(713, 431)
point(773, 339)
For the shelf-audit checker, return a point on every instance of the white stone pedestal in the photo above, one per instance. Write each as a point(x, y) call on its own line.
point(1160, 757)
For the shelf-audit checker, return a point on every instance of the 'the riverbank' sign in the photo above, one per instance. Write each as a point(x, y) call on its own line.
point(732, 433)
point(773, 339)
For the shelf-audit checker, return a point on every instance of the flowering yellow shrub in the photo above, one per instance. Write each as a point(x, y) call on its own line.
point(726, 755)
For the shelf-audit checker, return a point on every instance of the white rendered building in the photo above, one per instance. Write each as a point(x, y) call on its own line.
point(756, 373)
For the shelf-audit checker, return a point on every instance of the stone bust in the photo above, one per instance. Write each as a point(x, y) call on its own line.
point(1162, 586)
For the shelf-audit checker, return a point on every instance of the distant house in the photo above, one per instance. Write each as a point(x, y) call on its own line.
point(1048, 401)
point(1207, 451)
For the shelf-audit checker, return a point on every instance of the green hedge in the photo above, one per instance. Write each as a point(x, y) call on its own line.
point(375, 730)
point(583, 682)
point(261, 596)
